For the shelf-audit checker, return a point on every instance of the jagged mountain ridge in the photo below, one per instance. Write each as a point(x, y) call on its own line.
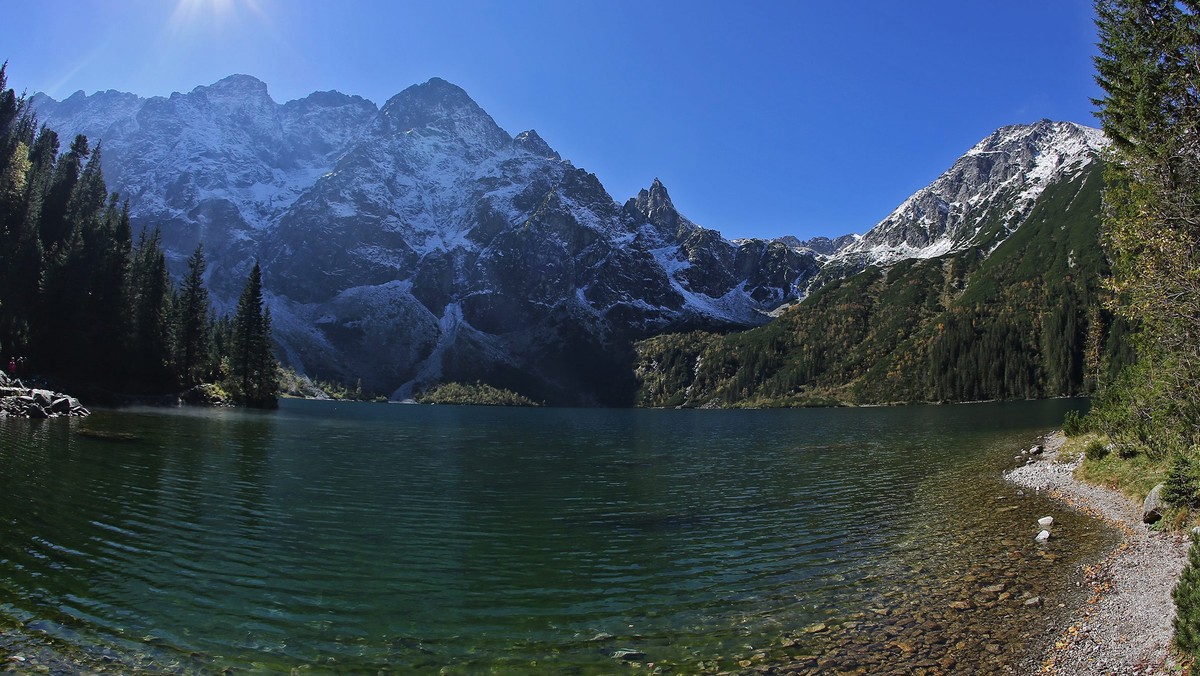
point(990, 189)
point(419, 242)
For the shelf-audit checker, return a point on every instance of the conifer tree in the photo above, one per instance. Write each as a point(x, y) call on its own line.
point(56, 212)
point(150, 298)
point(1149, 69)
point(1187, 603)
point(254, 370)
point(192, 333)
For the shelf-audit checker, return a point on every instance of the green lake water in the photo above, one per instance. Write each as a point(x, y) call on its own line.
point(368, 537)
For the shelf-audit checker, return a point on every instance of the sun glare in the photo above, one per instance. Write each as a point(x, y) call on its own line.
point(217, 13)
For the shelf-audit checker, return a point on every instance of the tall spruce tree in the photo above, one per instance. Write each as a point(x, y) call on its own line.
point(1149, 69)
point(192, 333)
point(150, 297)
point(254, 370)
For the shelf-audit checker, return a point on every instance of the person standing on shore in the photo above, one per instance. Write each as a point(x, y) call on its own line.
point(12, 367)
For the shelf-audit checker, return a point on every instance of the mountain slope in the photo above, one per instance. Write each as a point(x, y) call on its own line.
point(419, 243)
point(985, 196)
point(1009, 310)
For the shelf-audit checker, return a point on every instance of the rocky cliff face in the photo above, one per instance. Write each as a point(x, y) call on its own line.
point(985, 196)
point(419, 242)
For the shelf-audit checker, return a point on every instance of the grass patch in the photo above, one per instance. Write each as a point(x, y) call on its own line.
point(1133, 476)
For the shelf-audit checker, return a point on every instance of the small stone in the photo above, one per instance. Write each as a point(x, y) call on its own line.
point(1035, 601)
point(745, 664)
point(1152, 508)
point(628, 655)
point(815, 628)
point(960, 605)
point(993, 589)
point(1043, 536)
point(1046, 521)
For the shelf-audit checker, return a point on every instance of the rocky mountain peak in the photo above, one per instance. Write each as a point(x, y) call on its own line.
point(991, 188)
point(530, 142)
point(654, 206)
point(444, 109)
point(234, 88)
point(419, 242)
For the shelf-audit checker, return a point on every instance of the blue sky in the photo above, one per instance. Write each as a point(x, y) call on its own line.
point(762, 118)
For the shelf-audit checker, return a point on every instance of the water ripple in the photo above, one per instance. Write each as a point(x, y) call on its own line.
point(415, 538)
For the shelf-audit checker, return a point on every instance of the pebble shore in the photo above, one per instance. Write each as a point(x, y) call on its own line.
point(1124, 627)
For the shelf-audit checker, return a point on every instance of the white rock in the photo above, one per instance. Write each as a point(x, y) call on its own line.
point(1046, 521)
point(1043, 536)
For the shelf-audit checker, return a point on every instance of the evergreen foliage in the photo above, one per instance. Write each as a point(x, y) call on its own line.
point(193, 335)
point(1149, 69)
point(78, 297)
point(1025, 321)
point(479, 394)
point(1187, 603)
point(1182, 486)
point(1073, 424)
point(1095, 450)
point(254, 371)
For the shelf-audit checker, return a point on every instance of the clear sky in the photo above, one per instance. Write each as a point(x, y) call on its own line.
point(762, 118)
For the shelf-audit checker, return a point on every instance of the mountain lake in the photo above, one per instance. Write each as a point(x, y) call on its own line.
point(353, 537)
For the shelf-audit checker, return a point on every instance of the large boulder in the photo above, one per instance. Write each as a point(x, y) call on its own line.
point(1152, 508)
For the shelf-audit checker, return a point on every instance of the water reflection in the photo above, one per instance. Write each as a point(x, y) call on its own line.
point(425, 537)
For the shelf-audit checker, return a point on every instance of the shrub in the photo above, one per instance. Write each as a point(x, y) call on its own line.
point(1095, 450)
point(1182, 486)
point(1073, 424)
point(1187, 603)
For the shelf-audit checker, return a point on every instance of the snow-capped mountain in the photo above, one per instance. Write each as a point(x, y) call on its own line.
point(420, 242)
point(989, 191)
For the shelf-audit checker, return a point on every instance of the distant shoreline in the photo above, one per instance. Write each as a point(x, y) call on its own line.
point(1124, 626)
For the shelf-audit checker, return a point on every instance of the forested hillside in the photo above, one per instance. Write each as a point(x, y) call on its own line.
point(1023, 319)
point(87, 301)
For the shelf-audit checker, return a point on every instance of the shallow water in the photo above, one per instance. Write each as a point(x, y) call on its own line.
point(362, 537)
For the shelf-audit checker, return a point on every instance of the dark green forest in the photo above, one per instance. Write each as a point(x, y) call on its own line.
point(87, 302)
point(1026, 321)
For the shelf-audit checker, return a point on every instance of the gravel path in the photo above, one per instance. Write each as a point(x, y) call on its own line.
point(1125, 625)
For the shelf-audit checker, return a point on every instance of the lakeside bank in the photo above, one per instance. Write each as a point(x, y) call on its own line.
point(1124, 625)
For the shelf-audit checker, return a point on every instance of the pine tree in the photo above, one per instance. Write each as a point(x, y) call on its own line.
point(192, 333)
point(150, 297)
point(1187, 603)
point(1182, 486)
point(1149, 69)
point(254, 369)
point(56, 212)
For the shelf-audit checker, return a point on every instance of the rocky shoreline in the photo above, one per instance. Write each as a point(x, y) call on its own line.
point(1124, 626)
point(19, 401)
